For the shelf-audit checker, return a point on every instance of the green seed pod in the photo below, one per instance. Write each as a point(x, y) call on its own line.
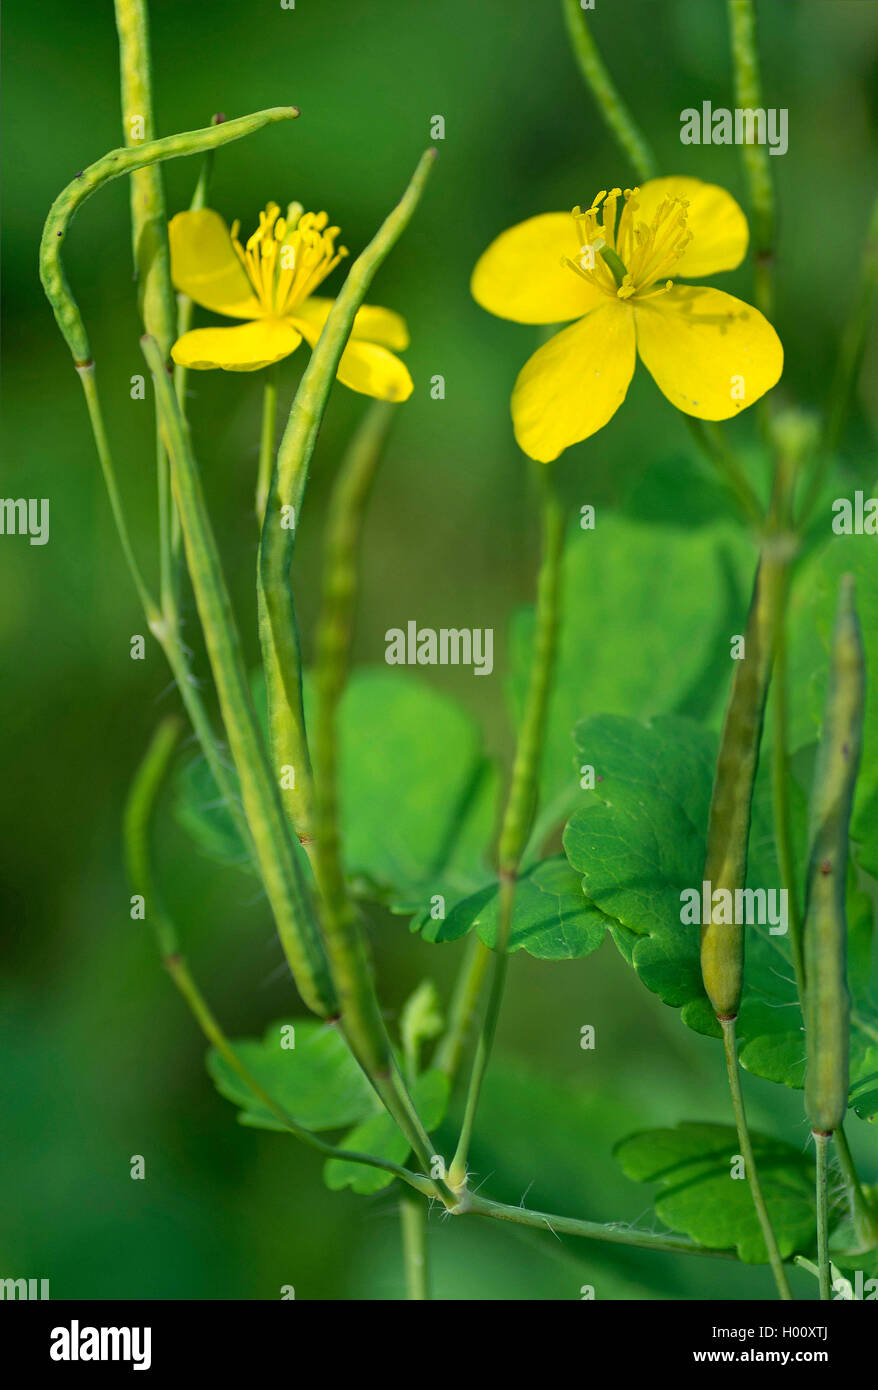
point(827, 1002)
point(722, 944)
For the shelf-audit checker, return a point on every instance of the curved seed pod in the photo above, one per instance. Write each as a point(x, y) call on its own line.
point(722, 944)
point(827, 1002)
point(113, 166)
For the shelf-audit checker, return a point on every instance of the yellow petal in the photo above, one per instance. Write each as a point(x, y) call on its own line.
point(575, 382)
point(718, 226)
point(204, 265)
point(243, 349)
point(374, 371)
point(521, 276)
point(372, 323)
point(711, 354)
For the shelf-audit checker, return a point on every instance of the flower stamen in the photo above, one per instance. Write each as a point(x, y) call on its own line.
point(286, 258)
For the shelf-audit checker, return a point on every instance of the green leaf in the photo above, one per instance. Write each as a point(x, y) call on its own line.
point(694, 1163)
point(380, 1137)
point(317, 1082)
point(417, 793)
point(639, 840)
point(692, 584)
point(551, 919)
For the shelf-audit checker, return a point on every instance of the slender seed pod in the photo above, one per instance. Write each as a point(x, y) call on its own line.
point(827, 1002)
point(722, 943)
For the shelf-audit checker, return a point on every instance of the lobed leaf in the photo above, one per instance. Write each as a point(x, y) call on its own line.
point(694, 1164)
point(551, 919)
point(640, 839)
point(317, 1082)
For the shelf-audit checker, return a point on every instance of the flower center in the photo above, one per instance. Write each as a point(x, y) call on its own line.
point(287, 257)
point(627, 259)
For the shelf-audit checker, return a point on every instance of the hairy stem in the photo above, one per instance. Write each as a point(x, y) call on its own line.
point(864, 1217)
point(613, 1233)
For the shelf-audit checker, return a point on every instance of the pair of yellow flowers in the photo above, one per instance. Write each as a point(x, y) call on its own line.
point(606, 267)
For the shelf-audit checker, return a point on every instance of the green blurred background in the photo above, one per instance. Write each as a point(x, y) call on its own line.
point(100, 1060)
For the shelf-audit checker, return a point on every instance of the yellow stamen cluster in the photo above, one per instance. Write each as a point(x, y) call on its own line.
point(286, 258)
point(642, 252)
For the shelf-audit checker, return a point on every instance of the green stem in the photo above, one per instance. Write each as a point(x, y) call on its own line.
point(86, 374)
point(278, 630)
point(864, 1217)
point(612, 1233)
point(139, 813)
point(266, 441)
point(757, 165)
point(521, 804)
point(613, 109)
point(463, 1006)
point(413, 1218)
point(848, 362)
point(774, 1258)
point(821, 1173)
point(713, 445)
point(282, 872)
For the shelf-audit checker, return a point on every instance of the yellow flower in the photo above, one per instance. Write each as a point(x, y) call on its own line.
point(711, 355)
point(270, 283)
